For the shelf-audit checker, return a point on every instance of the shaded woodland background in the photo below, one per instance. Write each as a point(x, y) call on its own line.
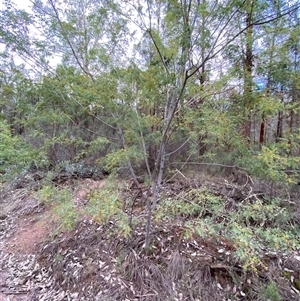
point(211, 82)
point(124, 85)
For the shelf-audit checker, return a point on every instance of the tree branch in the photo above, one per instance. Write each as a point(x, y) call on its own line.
point(82, 67)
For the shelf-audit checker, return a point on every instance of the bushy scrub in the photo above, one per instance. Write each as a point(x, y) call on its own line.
point(105, 205)
point(269, 292)
point(61, 202)
point(15, 153)
point(252, 225)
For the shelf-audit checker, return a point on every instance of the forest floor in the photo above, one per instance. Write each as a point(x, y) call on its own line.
point(95, 261)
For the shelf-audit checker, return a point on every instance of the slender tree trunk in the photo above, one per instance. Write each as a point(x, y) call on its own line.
point(279, 126)
point(172, 103)
point(262, 131)
point(291, 122)
point(202, 79)
point(248, 70)
point(152, 148)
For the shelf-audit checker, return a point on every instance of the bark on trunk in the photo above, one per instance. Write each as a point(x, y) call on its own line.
point(279, 126)
point(262, 131)
point(248, 70)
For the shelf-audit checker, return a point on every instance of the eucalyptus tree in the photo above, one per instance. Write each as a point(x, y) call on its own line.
point(86, 34)
point(14, 30)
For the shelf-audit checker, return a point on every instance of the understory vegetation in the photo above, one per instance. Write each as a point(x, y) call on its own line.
point(236, 240)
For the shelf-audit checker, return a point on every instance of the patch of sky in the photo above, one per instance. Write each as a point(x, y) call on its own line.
point(260, 83)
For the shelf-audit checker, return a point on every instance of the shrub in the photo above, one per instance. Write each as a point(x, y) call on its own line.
point(269, 292)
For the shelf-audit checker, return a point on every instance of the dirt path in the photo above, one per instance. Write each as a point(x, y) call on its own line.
point(24, 225)
point(23, 228)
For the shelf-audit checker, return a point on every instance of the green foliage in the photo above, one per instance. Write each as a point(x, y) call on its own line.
point(97, 144)
point(121, 157)
point(67, 214)
point(193, 203)
point(49, 194)
point(273, 161)
point(204, 227)
point(269, 106)
point(248, 245)
point(251, 226)
point(260, 224)
point(105, 206)
point(260, 213)
point(61, 201)
point(278, 238)
point(269, 292)
point(15, 153)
